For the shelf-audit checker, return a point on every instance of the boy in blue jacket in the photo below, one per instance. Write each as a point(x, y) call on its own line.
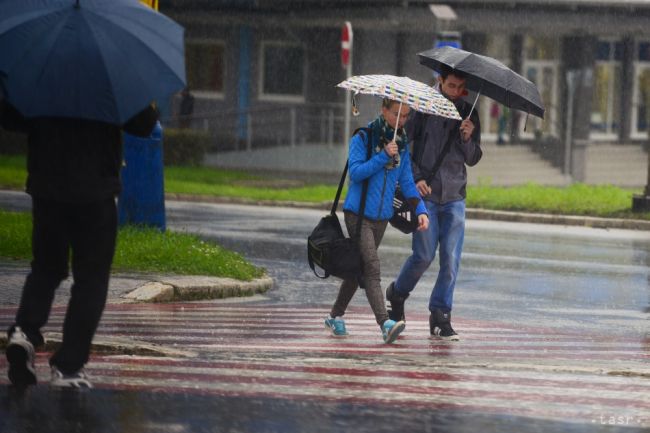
point(389, 164)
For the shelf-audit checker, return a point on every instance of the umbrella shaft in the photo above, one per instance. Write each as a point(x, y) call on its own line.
point(474, 104)
point(399, 112)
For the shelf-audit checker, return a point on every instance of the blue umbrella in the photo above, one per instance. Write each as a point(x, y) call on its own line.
point(102, 60)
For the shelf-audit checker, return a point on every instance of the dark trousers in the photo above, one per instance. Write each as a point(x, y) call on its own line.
point(88, 231)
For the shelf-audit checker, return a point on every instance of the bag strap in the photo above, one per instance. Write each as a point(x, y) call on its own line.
point(313, 266)
point(464, 111)
point(364, 189)
point(340, 188)
point(441, 157)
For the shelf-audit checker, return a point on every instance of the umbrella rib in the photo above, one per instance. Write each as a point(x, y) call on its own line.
point(109, 14)
point(145, 80)
point(56, 35)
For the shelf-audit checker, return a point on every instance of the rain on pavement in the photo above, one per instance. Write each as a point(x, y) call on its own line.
point(553, 324)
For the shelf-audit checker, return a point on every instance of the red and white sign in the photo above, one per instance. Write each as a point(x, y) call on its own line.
point(346, 44)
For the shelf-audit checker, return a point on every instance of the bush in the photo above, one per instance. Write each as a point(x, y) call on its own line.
point(184, 146)
point(12, 143)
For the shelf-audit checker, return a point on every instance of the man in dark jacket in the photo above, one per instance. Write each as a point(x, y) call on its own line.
point(73, 177)
point(456, 144)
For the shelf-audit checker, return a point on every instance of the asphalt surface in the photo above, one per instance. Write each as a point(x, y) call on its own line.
point(553, 320)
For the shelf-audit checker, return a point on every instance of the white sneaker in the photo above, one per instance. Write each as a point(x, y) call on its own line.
point(20, 354)
point(75, 380)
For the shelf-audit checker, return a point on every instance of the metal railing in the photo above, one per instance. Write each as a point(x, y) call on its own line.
point(291, 125)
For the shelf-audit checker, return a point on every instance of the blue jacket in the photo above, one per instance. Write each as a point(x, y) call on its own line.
point(382, 182)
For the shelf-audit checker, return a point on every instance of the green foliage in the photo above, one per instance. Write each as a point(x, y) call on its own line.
point(231, 183)
point(15, 235)
point(184, 146)
point(149, 250)
point(13, 171)
point(141, 250)
point(576, 199)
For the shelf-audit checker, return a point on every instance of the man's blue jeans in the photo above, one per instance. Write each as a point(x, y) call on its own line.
point(447, 229)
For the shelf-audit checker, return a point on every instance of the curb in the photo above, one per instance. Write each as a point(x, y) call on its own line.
point(193, 288)
point(568, 220)
point(471, 213)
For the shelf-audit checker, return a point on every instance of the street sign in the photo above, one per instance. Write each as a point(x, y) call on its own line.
point(346, 44)
point(448, 38)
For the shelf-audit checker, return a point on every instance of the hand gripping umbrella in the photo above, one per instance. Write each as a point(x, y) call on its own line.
point(489, 77)
point(419, 97)
point(415, 94)
point(101, 60)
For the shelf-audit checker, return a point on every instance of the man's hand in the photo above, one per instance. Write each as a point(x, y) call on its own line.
point(423, 188)
point(423, 222)
point(466, 129)
point(391, 148)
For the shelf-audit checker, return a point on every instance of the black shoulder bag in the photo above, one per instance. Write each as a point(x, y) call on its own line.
point(327, 246)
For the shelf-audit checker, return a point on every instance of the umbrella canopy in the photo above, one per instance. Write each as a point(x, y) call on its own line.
point(415, 94)
point(488, 77)
point(102, 60)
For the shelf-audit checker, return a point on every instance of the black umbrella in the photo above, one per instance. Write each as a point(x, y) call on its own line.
point(488, 77)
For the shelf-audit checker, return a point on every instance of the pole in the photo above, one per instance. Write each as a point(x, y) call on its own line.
point(348, 100)
point(568, 134)
point(348, 94)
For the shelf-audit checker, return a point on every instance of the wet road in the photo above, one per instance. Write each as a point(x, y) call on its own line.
point(541, 275)
point(553, 320)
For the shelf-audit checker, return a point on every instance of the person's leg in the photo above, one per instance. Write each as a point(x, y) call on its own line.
point(49, 266)
point(452, 234)
point(369, 239)
point(424, 244)
point(94, 229)
point(347, 289)
point(372, 234)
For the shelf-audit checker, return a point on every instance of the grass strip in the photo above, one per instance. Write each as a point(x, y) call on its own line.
point(576, 199)
point(142, 250)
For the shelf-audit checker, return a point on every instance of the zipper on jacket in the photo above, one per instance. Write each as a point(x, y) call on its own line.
point(381, 199)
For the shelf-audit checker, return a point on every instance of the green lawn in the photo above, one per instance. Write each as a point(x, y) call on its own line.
point(577, 199)
point(142, 250)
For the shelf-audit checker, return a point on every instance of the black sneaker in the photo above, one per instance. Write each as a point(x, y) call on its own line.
point(20, 354)
point(440, 326)
point(395, 304)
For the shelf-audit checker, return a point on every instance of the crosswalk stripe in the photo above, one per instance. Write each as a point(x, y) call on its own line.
point(246, 350)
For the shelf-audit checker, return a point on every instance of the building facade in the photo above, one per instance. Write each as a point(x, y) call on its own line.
point(264, 72)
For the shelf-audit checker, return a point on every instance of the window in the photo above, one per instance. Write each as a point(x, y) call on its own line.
point(540, 67)
point(641, 95)
point(282, 72)
point(205, 63)
point(606, 102)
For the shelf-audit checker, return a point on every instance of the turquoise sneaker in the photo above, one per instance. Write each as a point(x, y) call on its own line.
point(391, 330)
point(336, 325)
